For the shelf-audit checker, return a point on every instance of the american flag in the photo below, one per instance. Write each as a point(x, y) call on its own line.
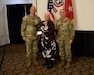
point(50, 9)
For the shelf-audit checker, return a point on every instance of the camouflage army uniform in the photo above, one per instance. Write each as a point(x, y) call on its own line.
point(65, 33)
point(29, 30)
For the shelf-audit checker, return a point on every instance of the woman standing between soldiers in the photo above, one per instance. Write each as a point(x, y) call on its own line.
point(48, 41)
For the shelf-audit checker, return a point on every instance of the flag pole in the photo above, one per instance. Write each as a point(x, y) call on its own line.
point(36, 7)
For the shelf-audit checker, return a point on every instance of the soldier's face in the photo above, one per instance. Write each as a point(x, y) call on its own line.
point(62, 13)
point(32, 10)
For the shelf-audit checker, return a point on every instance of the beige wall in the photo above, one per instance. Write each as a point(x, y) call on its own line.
point(84, 14)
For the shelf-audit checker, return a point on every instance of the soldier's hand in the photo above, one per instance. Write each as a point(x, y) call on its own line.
point(70, 41)
point(57, 41)
point(24, 38)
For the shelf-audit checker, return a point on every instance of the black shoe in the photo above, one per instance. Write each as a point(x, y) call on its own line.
point(49, 66)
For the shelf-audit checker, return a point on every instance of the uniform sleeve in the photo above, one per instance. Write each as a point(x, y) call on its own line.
point(23, 27)
point(71, 30)
point(57, 25)
point(57, 28)
point(39, 23)
point(39, 20)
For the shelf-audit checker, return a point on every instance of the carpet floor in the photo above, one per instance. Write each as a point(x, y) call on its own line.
point(13, 62)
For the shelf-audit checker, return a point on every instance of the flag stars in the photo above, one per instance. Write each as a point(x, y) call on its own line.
point(70, 8)
point(50, 5)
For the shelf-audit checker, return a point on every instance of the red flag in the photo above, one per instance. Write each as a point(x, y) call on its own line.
point(69, 9)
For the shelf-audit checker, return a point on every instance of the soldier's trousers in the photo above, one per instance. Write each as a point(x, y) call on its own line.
point(65, 50)
point(31, 48)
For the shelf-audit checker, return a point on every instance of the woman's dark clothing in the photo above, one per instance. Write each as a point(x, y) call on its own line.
point(48, 42)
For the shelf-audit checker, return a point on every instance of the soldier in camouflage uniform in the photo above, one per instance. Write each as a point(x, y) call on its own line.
point(28, 32)
point(65, 35)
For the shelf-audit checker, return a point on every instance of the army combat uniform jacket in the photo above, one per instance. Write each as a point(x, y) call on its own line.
point(65, 29)
point(29, 26)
